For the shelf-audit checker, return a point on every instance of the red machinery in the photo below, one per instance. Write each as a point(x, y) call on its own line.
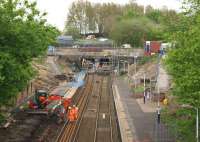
point(42, 103)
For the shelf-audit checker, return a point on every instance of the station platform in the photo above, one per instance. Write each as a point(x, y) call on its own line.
point(136, 120)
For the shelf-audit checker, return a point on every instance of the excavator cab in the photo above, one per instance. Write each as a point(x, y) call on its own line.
point(40, 98)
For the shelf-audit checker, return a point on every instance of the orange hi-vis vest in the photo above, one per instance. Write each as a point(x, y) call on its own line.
point(76, 113)
point(70, 115)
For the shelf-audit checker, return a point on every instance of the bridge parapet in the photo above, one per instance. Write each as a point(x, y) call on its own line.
point(124, 53)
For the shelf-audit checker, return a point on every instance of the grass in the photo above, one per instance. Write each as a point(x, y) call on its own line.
point(139, 89)
point(147, 59)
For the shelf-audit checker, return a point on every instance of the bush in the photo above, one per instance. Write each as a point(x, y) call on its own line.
point(147, 59)
point(181, 123)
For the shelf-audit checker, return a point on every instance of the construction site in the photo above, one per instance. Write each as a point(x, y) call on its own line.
point(85, 82)
point(99, 71)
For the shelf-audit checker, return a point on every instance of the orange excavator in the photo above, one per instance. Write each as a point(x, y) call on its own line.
point(42, 103)
point(39, 100)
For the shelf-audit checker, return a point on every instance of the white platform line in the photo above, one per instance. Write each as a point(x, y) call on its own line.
point(125, 130)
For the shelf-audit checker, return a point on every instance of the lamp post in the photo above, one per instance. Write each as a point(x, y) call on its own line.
point(118, 61)
point(128, 70)
point(158, 89)
point(144, 88)
point(197, 119)
point(135, 63)
point(113, 56)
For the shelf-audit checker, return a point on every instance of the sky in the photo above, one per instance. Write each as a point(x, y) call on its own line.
point(57, 9)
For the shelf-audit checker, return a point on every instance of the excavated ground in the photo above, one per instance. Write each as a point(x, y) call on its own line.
point(32, 128)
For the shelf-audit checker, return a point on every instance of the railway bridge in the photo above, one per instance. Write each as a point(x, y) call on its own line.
point(111, 54)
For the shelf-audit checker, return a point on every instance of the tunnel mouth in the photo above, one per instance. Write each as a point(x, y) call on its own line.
point(103, 61)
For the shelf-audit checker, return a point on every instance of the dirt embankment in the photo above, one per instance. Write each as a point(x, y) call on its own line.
point(45, 79)
point(36, 127)
point(149, 69)
point(48, 70)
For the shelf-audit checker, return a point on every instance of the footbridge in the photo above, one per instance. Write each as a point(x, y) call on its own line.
point(108, 53)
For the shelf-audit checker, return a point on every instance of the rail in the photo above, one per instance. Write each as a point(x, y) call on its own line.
point(69, 128)
point(103, 130)
point(97, 115)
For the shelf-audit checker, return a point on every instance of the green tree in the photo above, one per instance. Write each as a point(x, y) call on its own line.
point(183, 62)
point(73, 31)
point(15, 77)
point(89, 17)
point(135, 31)
point(132, 9)
point(24, 36)
point(154, 15)
point(77, 16)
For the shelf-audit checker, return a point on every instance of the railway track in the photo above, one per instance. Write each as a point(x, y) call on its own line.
point(88, 120)
point(103, 129)
point(97, 120)
point(81, 98)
